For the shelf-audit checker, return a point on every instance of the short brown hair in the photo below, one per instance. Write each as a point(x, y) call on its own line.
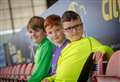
point(52, 20)
point(36, 22)
point(70, 15)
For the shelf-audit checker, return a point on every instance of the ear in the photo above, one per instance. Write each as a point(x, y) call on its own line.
point(84, 33)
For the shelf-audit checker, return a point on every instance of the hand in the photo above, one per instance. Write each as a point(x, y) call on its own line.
point(97, 55)
point(98, 58)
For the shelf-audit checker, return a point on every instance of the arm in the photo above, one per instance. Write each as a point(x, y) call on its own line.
point(99, 47)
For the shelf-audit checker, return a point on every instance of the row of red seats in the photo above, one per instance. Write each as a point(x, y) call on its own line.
point(20, 73)
point(17, 73)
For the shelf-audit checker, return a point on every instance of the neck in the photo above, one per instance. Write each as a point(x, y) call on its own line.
point(60, 44)
point(76, 39)
point(42, 38)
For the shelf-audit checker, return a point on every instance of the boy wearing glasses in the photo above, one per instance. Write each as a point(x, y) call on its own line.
point(44, 49)
point(74, 56)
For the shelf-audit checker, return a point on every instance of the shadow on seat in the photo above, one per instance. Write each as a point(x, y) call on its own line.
point(86, 69)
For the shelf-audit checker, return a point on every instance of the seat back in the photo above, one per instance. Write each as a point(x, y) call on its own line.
point(18, 68)
point(22, 72)
point(23, 68)
point(113, 67)
point(29, 69)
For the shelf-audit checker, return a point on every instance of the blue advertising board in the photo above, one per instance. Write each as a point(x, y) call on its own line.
point(101, 18)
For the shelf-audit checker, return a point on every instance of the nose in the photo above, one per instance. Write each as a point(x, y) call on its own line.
point(32, 34)
point(74, 30)
point(54, 33)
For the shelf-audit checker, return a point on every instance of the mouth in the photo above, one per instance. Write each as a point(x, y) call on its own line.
point(55, 38)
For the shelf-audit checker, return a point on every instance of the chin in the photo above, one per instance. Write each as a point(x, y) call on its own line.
point(58, 41)
point(74, 39)
point(35, 41)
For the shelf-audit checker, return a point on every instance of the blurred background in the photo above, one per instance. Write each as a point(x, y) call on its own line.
point(14, 15)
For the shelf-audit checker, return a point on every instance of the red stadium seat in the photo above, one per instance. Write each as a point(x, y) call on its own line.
point(16, 73)
point(28, 71)
point(22, 71)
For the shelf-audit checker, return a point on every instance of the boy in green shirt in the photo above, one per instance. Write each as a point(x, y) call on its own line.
point(44, 49)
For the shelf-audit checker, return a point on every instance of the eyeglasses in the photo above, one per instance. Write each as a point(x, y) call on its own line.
point(73, 27)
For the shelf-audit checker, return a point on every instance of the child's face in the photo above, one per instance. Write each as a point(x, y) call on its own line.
point(73, 29)
point(55, 33)
point(36, 35)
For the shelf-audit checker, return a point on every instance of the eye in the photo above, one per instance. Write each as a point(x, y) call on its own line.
point(30, 31)
point(68, 28)
point(57, 30)
point(49, 32)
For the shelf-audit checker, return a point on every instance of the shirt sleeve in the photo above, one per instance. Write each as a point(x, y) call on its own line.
point(98, 46)
point(42, 66)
